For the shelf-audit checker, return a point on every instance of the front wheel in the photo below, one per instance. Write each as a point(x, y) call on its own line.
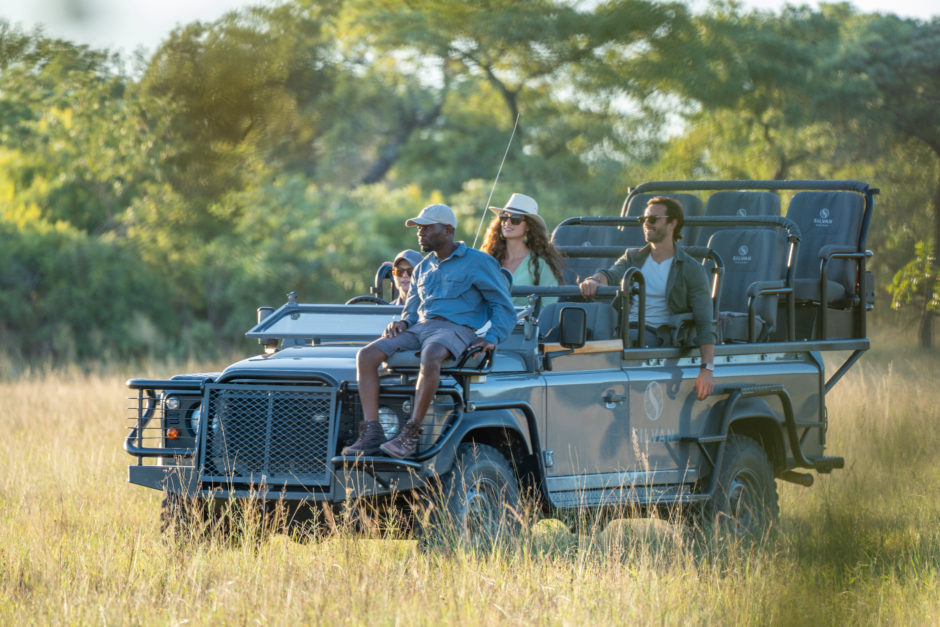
point(745, 499)
point(478, 502)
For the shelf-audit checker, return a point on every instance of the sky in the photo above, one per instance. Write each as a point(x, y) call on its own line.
point(127, 25)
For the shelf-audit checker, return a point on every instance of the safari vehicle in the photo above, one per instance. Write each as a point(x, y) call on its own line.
point(566, 409)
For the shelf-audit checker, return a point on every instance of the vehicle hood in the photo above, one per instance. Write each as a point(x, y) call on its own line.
point(336, 363)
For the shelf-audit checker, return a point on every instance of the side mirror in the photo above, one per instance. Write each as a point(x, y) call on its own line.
point(572, 327)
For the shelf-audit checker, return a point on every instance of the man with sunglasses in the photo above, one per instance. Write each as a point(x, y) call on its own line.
point(454, 290)
point(675, 283)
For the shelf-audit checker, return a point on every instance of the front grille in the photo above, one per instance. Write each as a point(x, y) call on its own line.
point(276, 436)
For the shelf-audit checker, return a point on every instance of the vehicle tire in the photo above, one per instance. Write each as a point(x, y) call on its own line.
point(477, 504)
point(745, 500)
point(366, 299)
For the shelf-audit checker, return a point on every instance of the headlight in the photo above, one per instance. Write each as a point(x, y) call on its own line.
point(389, 421)
point(194, 416)
point(172, 403)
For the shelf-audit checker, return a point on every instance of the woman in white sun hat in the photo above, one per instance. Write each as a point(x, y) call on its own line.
point(518, 239)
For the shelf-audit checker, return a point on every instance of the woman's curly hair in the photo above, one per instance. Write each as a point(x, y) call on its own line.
point(537, 241)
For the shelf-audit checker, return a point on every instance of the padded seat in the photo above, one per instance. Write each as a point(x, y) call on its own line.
point(830, 224)
point(587, 236)
point(410, 361)
point(735, 203)
point(754, 276)
point(600, 319)
point(635, 206)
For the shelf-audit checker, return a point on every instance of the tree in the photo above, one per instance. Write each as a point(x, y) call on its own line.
point(73, 147)
point(246, 89)
point(759, 83)
point(499, 59)
point(900, 65)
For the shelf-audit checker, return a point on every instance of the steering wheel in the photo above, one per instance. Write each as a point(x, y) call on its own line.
point(366, 298)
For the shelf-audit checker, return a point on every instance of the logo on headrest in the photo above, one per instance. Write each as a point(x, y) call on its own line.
point(743, 255)
point(653, 400)
point(742, 211)
point(823, 219)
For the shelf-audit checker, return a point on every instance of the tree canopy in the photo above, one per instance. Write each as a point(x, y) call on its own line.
point(281, 147)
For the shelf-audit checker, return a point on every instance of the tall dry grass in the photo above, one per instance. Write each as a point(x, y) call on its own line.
point(79, 545)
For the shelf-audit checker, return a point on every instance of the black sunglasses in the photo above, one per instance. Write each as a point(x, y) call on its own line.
point(651, 219)
point(399, 271)
point(515, 220)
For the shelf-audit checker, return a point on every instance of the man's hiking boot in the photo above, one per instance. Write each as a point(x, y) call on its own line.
point(371, 437)
point(405, 443)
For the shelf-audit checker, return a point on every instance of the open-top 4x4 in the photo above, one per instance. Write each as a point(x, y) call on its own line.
point(566, 407)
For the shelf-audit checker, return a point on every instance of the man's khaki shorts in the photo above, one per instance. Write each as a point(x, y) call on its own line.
point(454, 337)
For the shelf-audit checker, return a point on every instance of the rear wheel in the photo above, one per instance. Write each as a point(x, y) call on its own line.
point(745, 499)
point(478, 502)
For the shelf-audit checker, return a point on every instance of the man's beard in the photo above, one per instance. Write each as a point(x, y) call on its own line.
point(655, 237)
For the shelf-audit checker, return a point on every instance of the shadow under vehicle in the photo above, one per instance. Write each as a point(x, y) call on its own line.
point(567, 410)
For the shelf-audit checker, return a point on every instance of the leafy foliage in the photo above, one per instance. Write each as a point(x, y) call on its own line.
point(281, 147)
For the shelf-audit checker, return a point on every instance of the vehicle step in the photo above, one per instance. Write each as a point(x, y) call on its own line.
point(651, 495)
point(826, 465)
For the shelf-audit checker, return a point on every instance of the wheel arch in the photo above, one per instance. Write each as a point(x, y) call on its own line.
point(507, 431)
point(764, 428)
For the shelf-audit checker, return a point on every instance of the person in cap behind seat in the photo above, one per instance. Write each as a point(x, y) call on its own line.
point(403, 268)
point(675, 283)
point(454, 291)
point(519, 241)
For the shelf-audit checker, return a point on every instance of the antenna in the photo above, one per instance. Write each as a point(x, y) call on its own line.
point(493, 189)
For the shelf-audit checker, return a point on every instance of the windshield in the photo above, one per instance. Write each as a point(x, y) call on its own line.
point(326, 322)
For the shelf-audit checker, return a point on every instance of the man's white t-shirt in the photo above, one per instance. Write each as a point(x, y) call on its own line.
point(655, 275)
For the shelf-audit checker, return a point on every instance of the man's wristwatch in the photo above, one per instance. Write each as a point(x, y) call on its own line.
point(707, 366)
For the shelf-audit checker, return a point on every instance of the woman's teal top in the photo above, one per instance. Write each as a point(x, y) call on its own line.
point(523, 276)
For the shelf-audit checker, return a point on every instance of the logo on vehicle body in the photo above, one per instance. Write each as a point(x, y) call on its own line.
point(823, 218)
point(743, 256)
point(653, 400)
point(742, 211)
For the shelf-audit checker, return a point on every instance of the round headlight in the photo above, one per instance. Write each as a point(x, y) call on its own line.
point(389, 421)
point(172, 403)
point(194, 417)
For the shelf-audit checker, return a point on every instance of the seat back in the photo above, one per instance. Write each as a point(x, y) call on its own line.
point(750, 256)
point(734, 203)
point(577, 268)
point(634, 206)
point(827, 219)
point(601, 320)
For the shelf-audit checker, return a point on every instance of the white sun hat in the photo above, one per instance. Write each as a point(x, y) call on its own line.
point(520, 204)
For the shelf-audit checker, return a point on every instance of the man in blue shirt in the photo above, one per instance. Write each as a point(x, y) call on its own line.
point(453, 292)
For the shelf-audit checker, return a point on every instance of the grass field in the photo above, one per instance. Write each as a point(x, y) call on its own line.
point(80, 545)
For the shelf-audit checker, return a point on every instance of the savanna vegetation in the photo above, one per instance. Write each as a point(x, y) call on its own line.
point(149, 204)
point(80, 545)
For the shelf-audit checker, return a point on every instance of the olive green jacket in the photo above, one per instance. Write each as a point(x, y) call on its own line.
point(687, 291)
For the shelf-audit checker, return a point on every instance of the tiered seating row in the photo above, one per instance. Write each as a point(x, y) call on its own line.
point(814, 259)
